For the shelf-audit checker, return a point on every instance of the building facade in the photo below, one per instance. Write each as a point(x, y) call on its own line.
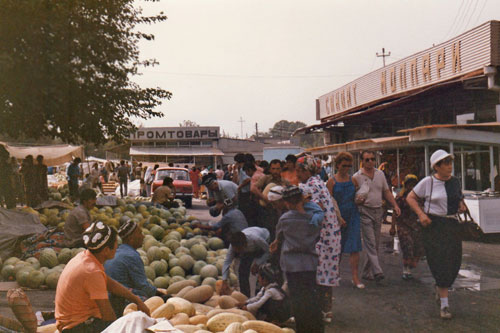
point(446, 96)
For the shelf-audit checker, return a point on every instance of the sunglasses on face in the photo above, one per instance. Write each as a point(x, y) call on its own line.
point(346, 165)
point(370, 159)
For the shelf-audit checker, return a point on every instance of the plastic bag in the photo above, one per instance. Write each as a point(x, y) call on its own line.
point(363, 190)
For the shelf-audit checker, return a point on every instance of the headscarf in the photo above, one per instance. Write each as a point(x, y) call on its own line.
point(275, 193)
point(409, 177)
point(309, 163)
point(147, 174)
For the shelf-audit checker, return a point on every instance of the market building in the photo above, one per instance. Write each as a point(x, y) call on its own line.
point(447, 96)
point(188, 146)
point(444, 97)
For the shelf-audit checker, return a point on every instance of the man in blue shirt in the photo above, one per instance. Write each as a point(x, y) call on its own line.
point(232, 221)
point(127, 267)
point(251, 246)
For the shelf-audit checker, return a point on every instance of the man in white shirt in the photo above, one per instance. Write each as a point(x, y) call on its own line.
point(371, 213)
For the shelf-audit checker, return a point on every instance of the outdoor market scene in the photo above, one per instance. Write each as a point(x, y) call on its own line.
point(284, 182)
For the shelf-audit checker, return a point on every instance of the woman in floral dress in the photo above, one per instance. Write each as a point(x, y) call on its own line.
point(328, 246)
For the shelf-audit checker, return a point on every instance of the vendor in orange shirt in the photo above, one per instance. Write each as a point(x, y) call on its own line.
point(289, 173)
point(82, 303)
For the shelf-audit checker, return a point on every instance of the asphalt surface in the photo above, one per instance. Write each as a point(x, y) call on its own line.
point(393, 305)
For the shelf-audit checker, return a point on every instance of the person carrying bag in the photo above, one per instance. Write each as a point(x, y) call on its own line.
point(443, 199)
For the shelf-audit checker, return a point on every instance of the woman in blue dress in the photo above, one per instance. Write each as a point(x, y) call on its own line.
point(343, 188)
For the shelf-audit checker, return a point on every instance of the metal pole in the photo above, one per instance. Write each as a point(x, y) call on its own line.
point(462, 167)
point(452, 164)
point(397, 161)
point(492, 166)
point(426, 158)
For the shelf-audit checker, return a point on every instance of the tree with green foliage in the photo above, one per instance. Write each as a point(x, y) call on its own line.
point(284, 129)
point(66, 69)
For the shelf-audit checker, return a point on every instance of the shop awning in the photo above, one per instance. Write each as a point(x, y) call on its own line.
point(480, 133)
point(188, 151)
point(52, 155)
point(359, 145)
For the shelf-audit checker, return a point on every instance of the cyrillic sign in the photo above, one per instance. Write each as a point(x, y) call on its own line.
point(466, 53)
point(175, 133)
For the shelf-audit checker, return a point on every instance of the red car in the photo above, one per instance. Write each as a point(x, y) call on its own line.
point(182, 183)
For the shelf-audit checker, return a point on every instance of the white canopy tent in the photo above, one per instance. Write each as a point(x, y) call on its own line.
point(52, 155)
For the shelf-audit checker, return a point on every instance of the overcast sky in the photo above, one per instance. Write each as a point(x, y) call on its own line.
point(267, 60)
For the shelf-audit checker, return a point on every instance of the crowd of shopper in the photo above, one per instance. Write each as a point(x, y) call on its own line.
point(22, 184)
point(273, 201)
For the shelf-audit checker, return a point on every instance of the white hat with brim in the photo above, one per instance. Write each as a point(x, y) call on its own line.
point(439, 155)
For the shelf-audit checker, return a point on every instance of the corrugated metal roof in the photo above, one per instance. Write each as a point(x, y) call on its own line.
point(476, 126)
point(176, 151)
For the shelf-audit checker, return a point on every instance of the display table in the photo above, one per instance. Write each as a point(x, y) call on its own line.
point(485, 211)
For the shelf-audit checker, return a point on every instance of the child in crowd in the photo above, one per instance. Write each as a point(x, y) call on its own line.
point(299, 260)
point(270, 303)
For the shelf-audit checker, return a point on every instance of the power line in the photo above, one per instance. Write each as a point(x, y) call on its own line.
point(454, 20)
point(462, 19)
point(254, 76)
point(472, 14)
point(480, 12)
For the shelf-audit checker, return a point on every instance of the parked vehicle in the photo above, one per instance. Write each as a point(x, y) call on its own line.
point(182, 183)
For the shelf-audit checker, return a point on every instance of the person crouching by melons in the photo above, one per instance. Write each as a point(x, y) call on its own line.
point(271, 302)
point(127, 267)
point(82, 302)
point(299, 261)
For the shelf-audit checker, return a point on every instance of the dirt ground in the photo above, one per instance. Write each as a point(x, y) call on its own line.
point(394, 305)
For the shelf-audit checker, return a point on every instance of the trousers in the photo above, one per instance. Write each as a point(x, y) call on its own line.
point(443, 249)
point(305, 301)
point(371, 224)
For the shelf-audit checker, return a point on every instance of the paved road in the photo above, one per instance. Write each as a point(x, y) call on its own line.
point(394, 305)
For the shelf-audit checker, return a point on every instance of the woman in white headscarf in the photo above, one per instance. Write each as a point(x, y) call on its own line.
point(148, 180)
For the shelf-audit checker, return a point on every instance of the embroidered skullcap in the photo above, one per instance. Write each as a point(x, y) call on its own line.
point(309, 163)
point(96, 235)
point(291, 191)
point(127, 229)
point(275, 193)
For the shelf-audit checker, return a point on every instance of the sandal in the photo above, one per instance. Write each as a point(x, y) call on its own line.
point(358, 286)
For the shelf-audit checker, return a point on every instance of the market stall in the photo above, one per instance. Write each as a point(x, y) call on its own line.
point(476, 148)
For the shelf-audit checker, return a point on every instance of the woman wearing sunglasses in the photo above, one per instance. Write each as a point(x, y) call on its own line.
point(443, 199)
point(343, 188)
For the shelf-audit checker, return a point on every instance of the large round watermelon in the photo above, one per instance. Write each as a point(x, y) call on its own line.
point(36, 279)
point(52, 278)
point(198, 252)
point(209, 271)
point(48, 258)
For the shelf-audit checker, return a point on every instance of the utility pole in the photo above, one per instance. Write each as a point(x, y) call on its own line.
point(256, 130)
point(241, 121)
point(383, 55)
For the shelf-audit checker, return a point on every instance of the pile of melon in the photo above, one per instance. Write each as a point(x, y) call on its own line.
point(200, 310)
point(173, 249)
point(37, 273)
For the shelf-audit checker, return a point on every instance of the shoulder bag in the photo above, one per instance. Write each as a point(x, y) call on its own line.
point(469, 230)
